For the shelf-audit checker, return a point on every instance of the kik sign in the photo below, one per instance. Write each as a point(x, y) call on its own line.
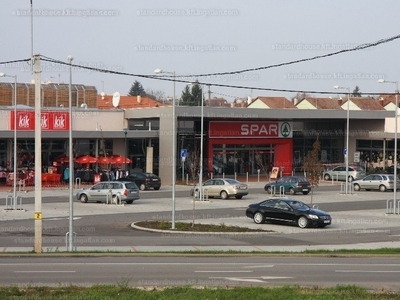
point(49, 120)
point(251, 129)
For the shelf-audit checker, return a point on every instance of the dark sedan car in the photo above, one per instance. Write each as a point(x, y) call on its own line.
point(144, 180)
point(289, 184)
point(289, 211)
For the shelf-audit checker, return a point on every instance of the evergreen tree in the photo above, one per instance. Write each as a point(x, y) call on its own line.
point(356, 92)
point(186, 97)
point(137, 89)
point(192, 96)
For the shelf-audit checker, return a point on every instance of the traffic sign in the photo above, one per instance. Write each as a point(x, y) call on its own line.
point(345, 151)
point(183, 153)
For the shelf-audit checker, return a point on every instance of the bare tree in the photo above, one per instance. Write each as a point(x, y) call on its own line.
point(313, 166)
point(158, 95)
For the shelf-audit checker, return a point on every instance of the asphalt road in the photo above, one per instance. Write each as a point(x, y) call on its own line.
point(98, 225)
point(224, 271)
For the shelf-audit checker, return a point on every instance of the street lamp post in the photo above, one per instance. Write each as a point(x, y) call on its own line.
point(125, 133)
point(346, 152)
point(160, 71)
point(201, 143)
point(395, 141)
point(15, 139)
point(71, 163)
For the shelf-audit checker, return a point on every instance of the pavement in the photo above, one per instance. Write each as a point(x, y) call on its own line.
point(360, 221)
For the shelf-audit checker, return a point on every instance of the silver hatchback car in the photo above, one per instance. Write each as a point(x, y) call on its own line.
point(339, 173)
point(380, 182)
point(110, 191)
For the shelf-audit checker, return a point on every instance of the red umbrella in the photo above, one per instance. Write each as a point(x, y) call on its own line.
point(85, 159)
point(105, 160)
point(119, 159)
point(63, 158)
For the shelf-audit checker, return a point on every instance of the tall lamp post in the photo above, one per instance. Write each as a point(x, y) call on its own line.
point(15, 139)
point(71, 163)
point(125, 133)
point(346, 152)
point(201, 142)
point(160, 71)
point(395, 141)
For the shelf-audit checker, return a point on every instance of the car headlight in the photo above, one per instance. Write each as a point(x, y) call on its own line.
point(313, 217)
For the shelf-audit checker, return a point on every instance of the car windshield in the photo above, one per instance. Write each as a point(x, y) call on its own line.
point(298, 205)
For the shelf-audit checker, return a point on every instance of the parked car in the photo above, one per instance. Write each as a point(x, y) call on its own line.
point(339, 173)
point(289, 211)
point(289, 184)
point(112, 191)
point(222, 187)
point(144, 180)
point(380, 182)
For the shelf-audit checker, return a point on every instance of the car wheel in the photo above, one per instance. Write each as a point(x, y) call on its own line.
point(142, 187)
point(224, 195)
point(156, 188)
point(258, 218)
point(291, 191)
point(83, 198)
point(305, 193)
point(239, 197)
point(129, 201)
point(351, 179)
point(357, 187)
point(269, 190)
point(302, 222)
point(327, 177)
point(382, 188)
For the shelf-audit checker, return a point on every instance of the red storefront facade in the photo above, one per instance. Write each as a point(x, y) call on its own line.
point(249, 145)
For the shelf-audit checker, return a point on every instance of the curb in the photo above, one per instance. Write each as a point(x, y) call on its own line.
point(134, 226)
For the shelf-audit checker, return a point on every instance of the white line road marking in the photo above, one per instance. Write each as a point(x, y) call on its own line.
point(44, 271)
point(364, 271)
point(243, 279)
point(262, 266)
point(222, 271)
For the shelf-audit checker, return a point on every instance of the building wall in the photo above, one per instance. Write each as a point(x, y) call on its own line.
point(258, 104)
point(305, 105)
point(165, 162)
point(82, 120)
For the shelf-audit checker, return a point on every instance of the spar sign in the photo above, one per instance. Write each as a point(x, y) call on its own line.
point(250, 129)
point(51, 120)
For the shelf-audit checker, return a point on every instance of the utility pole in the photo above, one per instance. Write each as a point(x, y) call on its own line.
point(38, 158)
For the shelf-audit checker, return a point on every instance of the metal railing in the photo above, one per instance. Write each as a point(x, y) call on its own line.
point(13, 202)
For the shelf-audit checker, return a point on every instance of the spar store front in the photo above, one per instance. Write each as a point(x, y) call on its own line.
point(244, 147)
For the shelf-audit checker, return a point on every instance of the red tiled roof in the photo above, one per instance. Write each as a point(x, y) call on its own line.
point(385, 99)
point(126, 102)
point(323, 103)
point(276, 102)
point(366, 103)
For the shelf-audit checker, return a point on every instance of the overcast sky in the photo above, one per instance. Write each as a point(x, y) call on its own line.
point(202, 37)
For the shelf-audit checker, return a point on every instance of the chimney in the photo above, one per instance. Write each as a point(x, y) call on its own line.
point(340, 101)
point(139, 99)
point(380, 101)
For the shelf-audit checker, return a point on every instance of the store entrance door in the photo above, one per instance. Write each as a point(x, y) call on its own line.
point(243, 159)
